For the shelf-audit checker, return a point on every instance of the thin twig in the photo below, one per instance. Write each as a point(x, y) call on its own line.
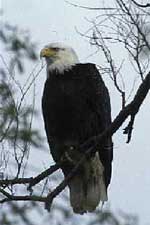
point(89, 8)
point(141, 5)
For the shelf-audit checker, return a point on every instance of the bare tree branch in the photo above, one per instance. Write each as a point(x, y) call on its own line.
point(126, 10)
point(43, 175)
point(32, 181)
point(10, 197)
point(141, 5)
point(89, 8)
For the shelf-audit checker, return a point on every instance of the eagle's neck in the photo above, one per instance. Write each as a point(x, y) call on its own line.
point(62, 63)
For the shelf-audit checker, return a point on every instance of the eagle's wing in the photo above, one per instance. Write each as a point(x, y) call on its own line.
point(99, 101)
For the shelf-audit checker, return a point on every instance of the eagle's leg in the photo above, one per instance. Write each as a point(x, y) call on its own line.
point(69, 156)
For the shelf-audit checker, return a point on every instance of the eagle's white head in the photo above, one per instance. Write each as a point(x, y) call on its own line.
point(59, 57)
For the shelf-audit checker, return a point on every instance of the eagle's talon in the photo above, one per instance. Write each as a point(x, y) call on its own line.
point(66, 158)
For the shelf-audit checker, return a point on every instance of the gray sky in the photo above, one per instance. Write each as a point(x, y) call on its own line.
point(51, 21)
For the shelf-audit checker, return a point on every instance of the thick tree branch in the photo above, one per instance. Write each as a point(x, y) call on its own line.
point(43, 175)
point(9, 197)
point(32, 181)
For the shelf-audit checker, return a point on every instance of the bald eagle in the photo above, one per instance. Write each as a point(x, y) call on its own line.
point(76, 107)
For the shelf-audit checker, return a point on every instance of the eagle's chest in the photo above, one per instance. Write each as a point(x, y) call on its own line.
point(65, 102)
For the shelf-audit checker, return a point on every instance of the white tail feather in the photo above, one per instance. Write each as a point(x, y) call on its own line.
point(88, 188)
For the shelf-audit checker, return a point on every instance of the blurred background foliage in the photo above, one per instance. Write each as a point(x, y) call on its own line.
point(18, 135)
point(15, 115)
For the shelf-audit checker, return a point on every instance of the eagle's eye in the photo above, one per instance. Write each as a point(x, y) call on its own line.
point(56, 49)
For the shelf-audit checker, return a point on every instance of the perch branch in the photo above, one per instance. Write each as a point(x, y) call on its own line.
point(9, 197)
point(32, 181)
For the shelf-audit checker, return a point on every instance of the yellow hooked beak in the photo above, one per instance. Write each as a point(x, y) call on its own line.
point(47, 52)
